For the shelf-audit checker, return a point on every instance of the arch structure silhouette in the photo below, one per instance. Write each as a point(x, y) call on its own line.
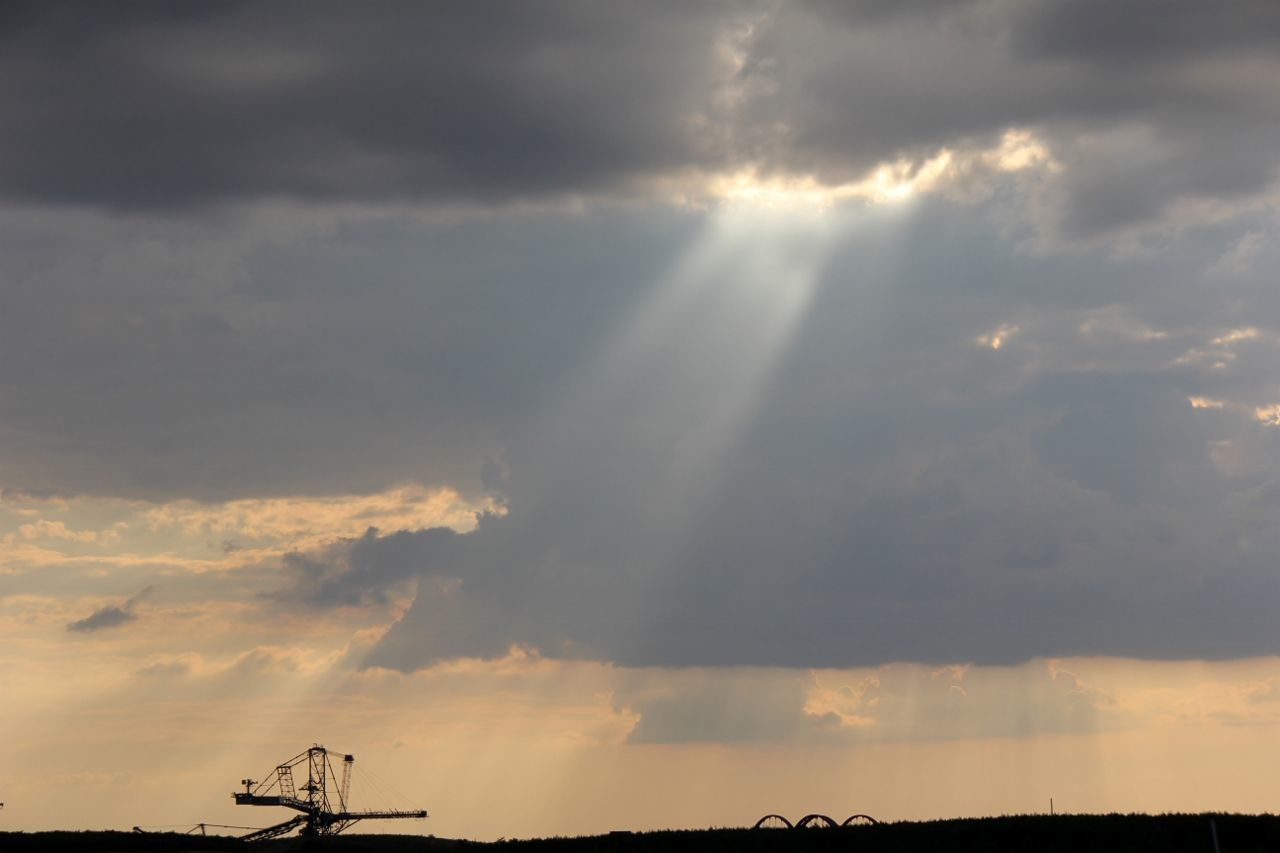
point(812, 821)
point(773, 821)
point(815, 821)
point(859, 820)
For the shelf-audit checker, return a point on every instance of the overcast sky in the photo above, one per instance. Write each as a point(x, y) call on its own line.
point(615, 377)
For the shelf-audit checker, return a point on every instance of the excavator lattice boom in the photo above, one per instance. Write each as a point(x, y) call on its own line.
point(322, 801)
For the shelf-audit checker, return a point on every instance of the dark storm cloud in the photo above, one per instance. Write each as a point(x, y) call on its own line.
point(110, 616)
point(1144, 30)
point(1149, 106)
point(143, 105)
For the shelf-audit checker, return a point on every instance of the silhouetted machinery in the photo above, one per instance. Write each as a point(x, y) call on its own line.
point(321, 797)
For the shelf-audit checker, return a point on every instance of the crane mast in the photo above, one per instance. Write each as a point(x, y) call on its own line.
point(322, 800)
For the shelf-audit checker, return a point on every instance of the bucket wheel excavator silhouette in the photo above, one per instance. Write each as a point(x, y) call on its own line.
point(308, 784)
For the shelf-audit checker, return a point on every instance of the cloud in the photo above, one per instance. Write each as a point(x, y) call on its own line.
point(888, 472)
point(428, 354)
point(1148, 445)
point(898, 492)
point(479, 103)
point(896, 703)
point(365, 570)
point(905, 703)
point(302, 522)
point(170, 667)
point(46, 529)
point(111, 615)
point(1149, 112)
point(736, 706)
point(1143, 119)
point(105, 617)
point(825, 433)
point(272, 661)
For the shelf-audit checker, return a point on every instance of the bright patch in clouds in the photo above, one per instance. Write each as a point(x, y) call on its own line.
point(46, 529)
point(1269, 415)
point(1205, 403)
point(305, 522)
point(964, 171)
point(200, 536)
point(1004, 333)
point(1235, 336)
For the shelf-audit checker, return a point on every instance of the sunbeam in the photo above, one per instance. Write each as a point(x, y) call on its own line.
point(689, 364)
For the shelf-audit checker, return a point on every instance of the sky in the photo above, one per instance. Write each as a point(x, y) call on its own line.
point(639, 415)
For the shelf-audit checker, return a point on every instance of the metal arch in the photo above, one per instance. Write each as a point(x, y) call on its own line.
point(815, 821)
point(760, 824)
point(857, 819)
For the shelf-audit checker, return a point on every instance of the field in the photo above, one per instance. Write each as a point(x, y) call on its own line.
point(1129, 833)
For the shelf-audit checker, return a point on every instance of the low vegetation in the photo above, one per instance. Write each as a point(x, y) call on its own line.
point(1172, 833)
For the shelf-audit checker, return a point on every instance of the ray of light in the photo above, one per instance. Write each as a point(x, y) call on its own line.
point(691, 361)
point(686, 370)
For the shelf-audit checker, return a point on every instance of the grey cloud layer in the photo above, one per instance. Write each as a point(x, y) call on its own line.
point(1151, 106)
point(896, 703)
point(891, 490)
point(898, 492)
point(280, 355)
point(872, 484)
point(143, 105)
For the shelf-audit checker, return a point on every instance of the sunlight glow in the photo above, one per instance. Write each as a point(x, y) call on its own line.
point(890, 181)
point(995, 340)
point(1269, 415)
point(1235, 336)
point(1205, 403)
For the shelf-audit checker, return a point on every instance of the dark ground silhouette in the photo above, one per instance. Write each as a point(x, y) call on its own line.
point(1128, 833)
